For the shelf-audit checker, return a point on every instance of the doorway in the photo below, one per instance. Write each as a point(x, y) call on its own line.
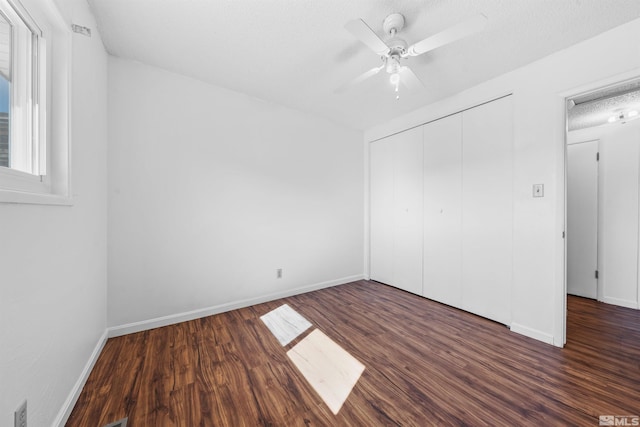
point(602, 194)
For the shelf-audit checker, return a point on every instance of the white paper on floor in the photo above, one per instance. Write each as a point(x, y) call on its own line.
point(285, 323)
point(331, 371)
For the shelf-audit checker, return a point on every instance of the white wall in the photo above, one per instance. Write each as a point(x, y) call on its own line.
point(618, 189)
point(539, 89)
point(210, 191)
point(53, 258)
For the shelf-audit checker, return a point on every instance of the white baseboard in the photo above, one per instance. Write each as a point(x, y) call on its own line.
point(620, 302)
point(65, 411)
point(532, 333)
point(116, 331)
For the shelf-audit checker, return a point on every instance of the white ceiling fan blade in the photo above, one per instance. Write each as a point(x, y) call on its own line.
point(362, 32)
point(457, 32)
point(362, 77)
point(409, 79)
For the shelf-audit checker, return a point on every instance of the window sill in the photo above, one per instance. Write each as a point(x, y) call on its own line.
point(8, 196)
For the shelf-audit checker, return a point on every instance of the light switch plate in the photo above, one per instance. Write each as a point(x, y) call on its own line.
point(538, 190)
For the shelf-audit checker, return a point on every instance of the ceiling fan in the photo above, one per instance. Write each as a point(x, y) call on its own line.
point(395, 49)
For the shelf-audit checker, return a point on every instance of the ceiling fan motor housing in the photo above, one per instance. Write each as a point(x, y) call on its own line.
point(397, 46)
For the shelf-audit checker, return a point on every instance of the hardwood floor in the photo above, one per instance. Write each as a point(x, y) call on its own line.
point(426, 364)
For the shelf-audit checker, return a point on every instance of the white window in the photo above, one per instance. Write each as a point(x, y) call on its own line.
point(33, 77)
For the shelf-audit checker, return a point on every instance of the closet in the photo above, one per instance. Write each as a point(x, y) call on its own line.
point(442, 210)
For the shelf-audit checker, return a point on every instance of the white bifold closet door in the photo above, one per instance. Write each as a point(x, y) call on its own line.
point(443, 210)
point(396, 210)
point(487, 209)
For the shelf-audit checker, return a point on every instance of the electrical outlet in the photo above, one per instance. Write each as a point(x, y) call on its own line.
point(20, 416)
point(279, 273)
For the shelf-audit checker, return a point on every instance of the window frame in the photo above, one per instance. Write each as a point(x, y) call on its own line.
point(50, 159)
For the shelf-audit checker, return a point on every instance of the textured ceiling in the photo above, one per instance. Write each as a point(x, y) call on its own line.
point(595, 108)
point(296, 52)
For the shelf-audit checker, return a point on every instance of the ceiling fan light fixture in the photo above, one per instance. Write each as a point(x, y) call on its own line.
point(394, 78)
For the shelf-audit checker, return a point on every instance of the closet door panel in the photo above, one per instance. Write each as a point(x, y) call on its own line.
point(487, 214)
point(442, 264)
point(408, 218)
point(619, 237)
point(381, 211)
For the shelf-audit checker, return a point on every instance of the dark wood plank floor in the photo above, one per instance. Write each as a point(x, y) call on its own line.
point(426, 364)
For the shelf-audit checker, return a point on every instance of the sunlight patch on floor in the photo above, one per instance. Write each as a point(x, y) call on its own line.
point(285, 323)
point(329, 369)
